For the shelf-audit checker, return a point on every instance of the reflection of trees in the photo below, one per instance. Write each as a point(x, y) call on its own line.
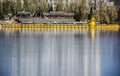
point(89, 57)
point(109, 44)
point(117, 51)
point(2, 33)
point(25, 56)
point(107, 33)
point(61, 54)
point(6, 47)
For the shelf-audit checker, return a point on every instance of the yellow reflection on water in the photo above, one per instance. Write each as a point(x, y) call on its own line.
point(92, 31)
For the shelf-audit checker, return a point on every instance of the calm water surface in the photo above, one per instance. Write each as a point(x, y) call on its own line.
point(60, 53)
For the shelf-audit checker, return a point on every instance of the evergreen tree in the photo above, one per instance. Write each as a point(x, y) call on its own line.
point(6, 7)
point(77, 12)
point(59, 7)
point(1, 11)
point(108, 14)
point(67, 8)
point(18, 6)
point(90, 13)
point(104, 18)
point(83, 10)
point(43, 6)
point(26, 5)
point(13, 6)
point(50, 8)
point(113, 15)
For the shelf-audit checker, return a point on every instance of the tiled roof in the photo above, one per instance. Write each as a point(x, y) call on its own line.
point(58, 13)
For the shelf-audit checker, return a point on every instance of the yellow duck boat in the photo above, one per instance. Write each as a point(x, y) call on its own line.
point(92, 24)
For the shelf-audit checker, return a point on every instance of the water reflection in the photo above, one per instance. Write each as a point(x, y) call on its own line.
point(87, 52)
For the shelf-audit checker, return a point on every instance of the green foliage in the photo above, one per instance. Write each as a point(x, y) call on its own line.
point(43, 6)
point(108, 14)
point(77, 13)
point(18, 6)
point(10, 7)
point(67, 8)
point(103, 13)
point(15, 7)
point(26, 5)
point(90, 13)
point(59, 7)
point(81, 11)
point(1, 11)
point(6, 7)
point(113, 15)
point(96, 15)
point(72, 7)
point(50, 8)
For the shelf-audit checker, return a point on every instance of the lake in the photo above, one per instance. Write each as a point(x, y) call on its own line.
point(87, 52)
